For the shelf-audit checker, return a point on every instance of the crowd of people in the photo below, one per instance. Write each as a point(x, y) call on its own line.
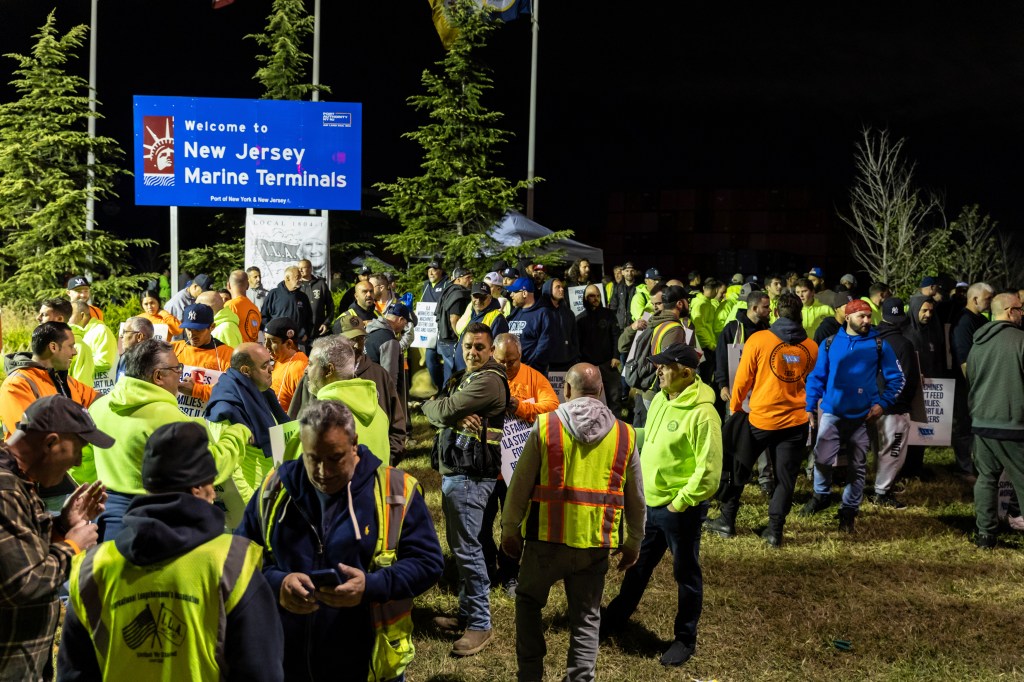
point(224, 468)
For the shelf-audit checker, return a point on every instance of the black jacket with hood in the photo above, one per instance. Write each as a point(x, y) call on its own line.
point(905, 353)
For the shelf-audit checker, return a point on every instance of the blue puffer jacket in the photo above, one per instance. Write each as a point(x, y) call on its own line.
point(845, 377)
point(335, 643)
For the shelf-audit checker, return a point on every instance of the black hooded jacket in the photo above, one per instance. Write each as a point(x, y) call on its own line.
point(905, 353)
point(929, 340)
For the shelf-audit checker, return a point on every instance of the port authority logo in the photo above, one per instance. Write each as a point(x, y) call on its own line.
point(165, 631)
point(158, 151)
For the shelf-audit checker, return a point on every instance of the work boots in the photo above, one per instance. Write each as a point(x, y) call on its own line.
point(816, 504)
point(725, 524)
point(846, 517)
point(772, 535)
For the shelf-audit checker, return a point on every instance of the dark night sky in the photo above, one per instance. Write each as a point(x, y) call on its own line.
point(659, 97)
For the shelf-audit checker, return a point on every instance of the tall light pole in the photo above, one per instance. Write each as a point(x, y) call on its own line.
point(90, 204)
point(531, 154)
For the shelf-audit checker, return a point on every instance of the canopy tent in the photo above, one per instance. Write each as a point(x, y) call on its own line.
point(515, 228)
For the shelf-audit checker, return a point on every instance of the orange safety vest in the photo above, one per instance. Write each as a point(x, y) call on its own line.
point(580, 498)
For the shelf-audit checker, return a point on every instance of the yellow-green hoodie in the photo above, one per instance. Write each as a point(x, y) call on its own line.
point(130, 413)
point(226, 329)
point(82, 366)
point(360, 395)
point(101, 340)
point(681, 448)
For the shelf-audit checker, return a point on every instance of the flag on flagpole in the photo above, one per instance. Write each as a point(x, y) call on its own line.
point(217, 4)
point(506, 10)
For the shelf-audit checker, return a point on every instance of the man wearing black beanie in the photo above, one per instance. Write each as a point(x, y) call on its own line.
point(171, 589)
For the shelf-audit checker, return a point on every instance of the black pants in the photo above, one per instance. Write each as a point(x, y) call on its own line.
point(787, 449)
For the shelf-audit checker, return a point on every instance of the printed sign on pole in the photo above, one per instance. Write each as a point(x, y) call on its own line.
point(247, 153)
point(426, 326)
point(274, 242)
point(557, 380)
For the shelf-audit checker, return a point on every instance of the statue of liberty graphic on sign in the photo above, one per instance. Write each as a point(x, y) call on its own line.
point(158, 159)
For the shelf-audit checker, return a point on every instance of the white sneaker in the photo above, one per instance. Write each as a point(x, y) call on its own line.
point(1016, 523)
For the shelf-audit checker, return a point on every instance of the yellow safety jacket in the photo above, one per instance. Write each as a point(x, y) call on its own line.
point(487, 319)
point(579, 500)
point(165, 621)
point(393, 649)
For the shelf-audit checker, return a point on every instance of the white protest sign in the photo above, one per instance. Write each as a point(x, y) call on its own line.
point(937, 431)
point(735, 351)
point(160, 333)
point(632, 348)
point(279, 436)
point(102, 383)
point(512, 441)
point(557, 380)
point(426, 327)
point(194, 407)
point(273, 242)
point(576, 295)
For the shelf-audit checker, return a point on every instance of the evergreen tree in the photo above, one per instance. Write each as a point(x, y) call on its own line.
point(283, 74)
point(459, 197)
point(44, 147)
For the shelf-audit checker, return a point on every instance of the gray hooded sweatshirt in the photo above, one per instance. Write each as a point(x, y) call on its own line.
point(587, 420)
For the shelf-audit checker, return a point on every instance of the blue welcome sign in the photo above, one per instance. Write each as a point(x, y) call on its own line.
point(192, 151)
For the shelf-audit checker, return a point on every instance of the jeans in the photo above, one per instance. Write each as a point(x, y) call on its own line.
point(109, 522)
point(463, 501)
point(500, 566)
point(447, 352)
point(583, 570)
point(679, 532)
point(832, 432)
point(432, 359)
point(991, 457)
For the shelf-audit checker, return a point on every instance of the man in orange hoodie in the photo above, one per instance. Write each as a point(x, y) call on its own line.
point(531, 395)
point(43, 372)
point(249, 318)
point(773, 371)
point(290, 363)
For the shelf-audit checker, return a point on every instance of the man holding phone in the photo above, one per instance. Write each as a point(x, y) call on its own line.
point(347, 543)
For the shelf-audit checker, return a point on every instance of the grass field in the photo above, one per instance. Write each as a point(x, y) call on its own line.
point(909, 592)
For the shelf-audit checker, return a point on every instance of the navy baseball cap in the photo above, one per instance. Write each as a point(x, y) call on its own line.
point(398, 310)
point(202, 281)
point(197, 316)
point(678, 353)
point(511, 273)
point(652, 273)
point(77, 281)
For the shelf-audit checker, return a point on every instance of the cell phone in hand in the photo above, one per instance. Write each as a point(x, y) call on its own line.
point(326, 578)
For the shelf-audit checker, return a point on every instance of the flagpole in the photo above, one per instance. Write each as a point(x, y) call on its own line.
point(174, 249)
point(316, 77)
point(531, 154)
point(90, 204)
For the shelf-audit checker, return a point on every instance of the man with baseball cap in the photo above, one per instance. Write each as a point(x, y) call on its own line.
point(383, 346)
point(200, 349)
point(79, 289)
point(281, 339)
point(894, 424)
point(172, 594)
point(36, 548)
point(534, 324)
point(453, 303)
point(187, 296)
point(485, 309)
point(641, 301)
point(846, 381)
point(681, 452)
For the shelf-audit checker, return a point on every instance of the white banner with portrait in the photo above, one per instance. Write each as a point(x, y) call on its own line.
point(273, 242)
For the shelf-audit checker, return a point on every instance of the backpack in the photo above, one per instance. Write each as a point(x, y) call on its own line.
point(639, 372)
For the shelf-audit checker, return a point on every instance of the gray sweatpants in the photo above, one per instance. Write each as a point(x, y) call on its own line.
point(893, 436)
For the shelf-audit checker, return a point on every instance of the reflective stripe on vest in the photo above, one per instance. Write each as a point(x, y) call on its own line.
point(167, 620)
point(579, 500)
point(393, 648)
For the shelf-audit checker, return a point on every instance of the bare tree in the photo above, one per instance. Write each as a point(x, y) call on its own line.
point(889, 215)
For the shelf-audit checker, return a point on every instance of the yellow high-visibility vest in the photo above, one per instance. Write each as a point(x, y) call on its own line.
point(165, 621)
point(580, 498)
